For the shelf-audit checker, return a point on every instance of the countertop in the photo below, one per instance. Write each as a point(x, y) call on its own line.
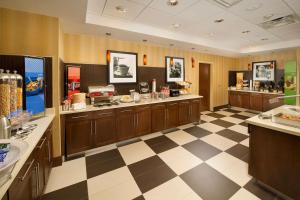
point(267, 123)
point(121, 105)
point(253, 91)
point(32, 140)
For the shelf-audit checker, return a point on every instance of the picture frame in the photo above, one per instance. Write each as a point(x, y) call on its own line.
point(264, 70)
point(175, 69)
point(122, 67)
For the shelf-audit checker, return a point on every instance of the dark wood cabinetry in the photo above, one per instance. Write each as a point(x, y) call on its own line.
point(234, 99)
point(158, 117)
point(30, 182)
point(125, 123)
point(194, 110)
point(142, 120)
point(184, 112)
point(267, 105)
point(172, 115)
point(256, 101)
point(79, 133)
point(105, 128)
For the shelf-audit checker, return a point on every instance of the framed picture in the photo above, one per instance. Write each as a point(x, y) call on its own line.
point(264, 71)
point(122, 67)
point(174, 69)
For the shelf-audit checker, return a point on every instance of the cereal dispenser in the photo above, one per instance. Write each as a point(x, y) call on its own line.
point(4, 94)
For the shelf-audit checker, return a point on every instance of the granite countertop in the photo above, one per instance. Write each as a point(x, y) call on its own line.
point(253, 91)
point(32, 140)
point(121, 105)
point(267, 123)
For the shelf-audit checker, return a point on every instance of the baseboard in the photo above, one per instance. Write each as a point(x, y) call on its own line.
point(220, 107)
point(57, 161)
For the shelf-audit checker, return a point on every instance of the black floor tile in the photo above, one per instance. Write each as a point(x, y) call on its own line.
point(215, 115)
point(77, 191)
point(201, 149)
point(232, 110)
point(262, 193)
point(239, 151)
point(244, 124)
point(239, 116)
point(232, 135)
point(139, 198)
point(160, 144)
point(150, 173)
point(103, 162)
point(209, 184)
point(222, 123)
point(197, 131)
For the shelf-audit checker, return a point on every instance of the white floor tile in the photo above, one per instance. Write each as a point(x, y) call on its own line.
point(211, 127)
point(115, 185)
point(245, 142)
point(232, 120)
point(221, 112)
point(100, 149)
point(135, 152)
point(239, 129)
point(180, 160)
point(233, 168)
point(219, 142)
point(243, 194)
point(175, 189)
point(207, 118)
point(69, 173)
point(150, 136)
point(181, 137)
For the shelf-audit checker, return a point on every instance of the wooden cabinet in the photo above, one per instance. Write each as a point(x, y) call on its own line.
point(244, 98)
point(270, 102)
point(195, 110)
point(105, 128)
point(184, 112)
point(256, 101)
point(25, 185)
point(234, 99)
point(78, 133)
point(49, 153)
point(41, 162)
point(158, 117)
point(142, 120)
point(125, 123)
point(172, 115)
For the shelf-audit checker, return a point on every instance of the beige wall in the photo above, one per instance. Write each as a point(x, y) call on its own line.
point(24, 33)
point(92, 49)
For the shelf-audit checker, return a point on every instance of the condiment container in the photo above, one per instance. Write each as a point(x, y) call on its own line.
point(19, 92)
point(13, 94)
point(4, 94)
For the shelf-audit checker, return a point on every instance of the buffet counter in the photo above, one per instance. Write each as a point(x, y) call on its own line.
point(254, 91)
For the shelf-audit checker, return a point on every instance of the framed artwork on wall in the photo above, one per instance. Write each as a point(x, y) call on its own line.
point(174, 69)
point(122, 67)
point(264, 71)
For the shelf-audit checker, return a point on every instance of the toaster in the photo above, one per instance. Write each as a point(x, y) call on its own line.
point(174, 92)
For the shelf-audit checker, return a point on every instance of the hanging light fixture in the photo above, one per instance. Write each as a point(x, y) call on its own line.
point(145, 59)
point(108, 56)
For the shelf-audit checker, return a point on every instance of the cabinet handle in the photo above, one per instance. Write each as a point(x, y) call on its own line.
point(41, 145)
point(137, 121)
point(38, 178)
point(123, 111)
point(27, 170)
point(103, 114)
point(49, 153)
point(82, 116)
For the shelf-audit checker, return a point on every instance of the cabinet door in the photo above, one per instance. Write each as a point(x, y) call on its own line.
point(195, 110)
point(256, 101)
point(184, 111)
point(269, 106)
point(78, 134)
point(143, 120)
point(41, 162)
point(158, 117)
point(49, 155)
point(172, 115)
point(25, 185)
point(125, 123)
point(245, 97)
point(105, 128)
point(233, 99)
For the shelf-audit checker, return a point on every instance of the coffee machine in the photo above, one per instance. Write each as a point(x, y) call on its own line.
point(5, 128)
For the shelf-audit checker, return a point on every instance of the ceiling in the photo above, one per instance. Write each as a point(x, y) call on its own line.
point(154, 21)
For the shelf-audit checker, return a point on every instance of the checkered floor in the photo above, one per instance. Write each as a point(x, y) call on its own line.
point(206, 161)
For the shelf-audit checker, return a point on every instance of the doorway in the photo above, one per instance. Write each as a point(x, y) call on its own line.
point(204, 85)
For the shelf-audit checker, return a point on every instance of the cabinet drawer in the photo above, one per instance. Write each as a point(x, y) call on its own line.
point(79, 116)
point(104, 113)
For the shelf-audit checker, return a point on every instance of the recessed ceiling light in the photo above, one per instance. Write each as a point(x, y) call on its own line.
point(254, 7)
point(108, 33)
point(245, 32)
point(171, 45)
point(211, 34)
point(176, 25)
point(144, 40)
point(172, 2)
point(121, 9)
point(264, 39)
point(193, 48)
point(219, 20)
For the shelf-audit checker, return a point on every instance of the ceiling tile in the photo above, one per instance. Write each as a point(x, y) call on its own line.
point(95, 6)
point(289, 32)
point(294, 4)
point(163, 6)
point(133, 9)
